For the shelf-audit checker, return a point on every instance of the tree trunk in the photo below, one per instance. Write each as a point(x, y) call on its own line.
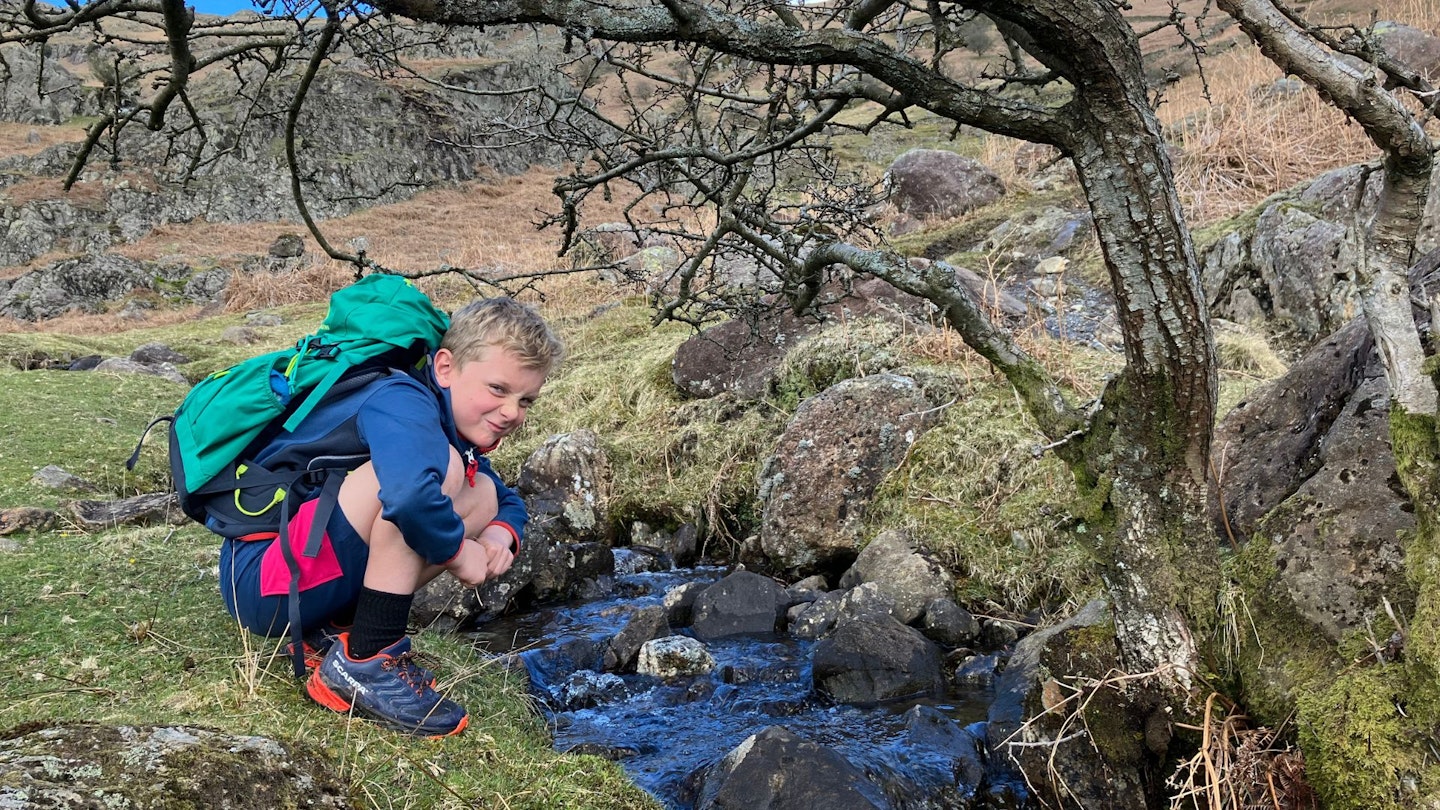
point(1159, 557)
point(1152, 447)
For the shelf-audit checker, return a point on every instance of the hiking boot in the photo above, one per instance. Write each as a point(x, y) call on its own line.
point(389, 688)
point(317, 643)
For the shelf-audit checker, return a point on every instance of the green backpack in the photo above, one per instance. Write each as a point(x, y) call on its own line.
point(379, 323)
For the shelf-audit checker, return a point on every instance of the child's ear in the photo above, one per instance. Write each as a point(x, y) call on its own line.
point(445, 368)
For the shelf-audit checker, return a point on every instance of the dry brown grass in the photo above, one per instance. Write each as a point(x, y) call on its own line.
point(1246, 141)
point(32, 139)
point(1238, 142)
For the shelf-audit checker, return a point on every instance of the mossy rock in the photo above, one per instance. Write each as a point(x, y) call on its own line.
point(160, 767)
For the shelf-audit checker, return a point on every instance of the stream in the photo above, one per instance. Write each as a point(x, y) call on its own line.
point(664, 731)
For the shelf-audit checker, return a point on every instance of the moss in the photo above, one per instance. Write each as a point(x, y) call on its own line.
point(1362, 732)
point(1364, 727)
point(865, 346)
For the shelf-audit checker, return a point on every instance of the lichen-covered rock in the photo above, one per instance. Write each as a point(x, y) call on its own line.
point(155, 767)
point(674, 657)
point(56, 477)
point(738, 355)
point(950, 624)
point(124, 365)
point(1308, 470)
point(1338, 539)
point(1269, 444)
point(840, 444)
point(566, 487)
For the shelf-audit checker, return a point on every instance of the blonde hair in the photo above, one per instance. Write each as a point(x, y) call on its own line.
point(508, 324)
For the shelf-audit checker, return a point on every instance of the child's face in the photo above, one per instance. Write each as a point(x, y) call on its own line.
point(490, 395)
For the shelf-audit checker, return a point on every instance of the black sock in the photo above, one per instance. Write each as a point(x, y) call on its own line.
point(380, 620)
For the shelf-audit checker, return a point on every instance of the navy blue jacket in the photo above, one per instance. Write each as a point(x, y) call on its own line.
point(405, 422)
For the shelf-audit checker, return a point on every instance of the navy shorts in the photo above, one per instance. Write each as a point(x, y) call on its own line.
point(254, 580)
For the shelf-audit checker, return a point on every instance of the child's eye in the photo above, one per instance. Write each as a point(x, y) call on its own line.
point(497, 389)
point(526, 403)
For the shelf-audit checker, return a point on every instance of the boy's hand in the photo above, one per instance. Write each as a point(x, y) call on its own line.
point(472, 565)
point(497, 543)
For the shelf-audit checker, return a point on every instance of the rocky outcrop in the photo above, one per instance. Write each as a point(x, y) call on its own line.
point(91, 283)
point(815, 488)
point(1289, 262)
point(147, 767)
point(412, 138)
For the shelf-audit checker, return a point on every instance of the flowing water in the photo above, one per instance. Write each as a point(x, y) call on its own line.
point(663, 731)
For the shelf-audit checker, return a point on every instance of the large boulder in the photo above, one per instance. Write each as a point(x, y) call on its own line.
point(743, 355)
point(1411, 47)
point(935, 183)
point(876, 659)
point(738, 355)
point(776, 769)
point(1289, 268)
point(1308, 470)
point(1269, 443)
point(892, 562)
point(161, 766)
point(840, 444)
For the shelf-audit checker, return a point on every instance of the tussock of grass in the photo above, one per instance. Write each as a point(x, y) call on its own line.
point(973, 492)
point(868, 345)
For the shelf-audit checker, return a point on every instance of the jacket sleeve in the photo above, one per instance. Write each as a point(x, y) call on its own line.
point(401, 425)
point(512, 514)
